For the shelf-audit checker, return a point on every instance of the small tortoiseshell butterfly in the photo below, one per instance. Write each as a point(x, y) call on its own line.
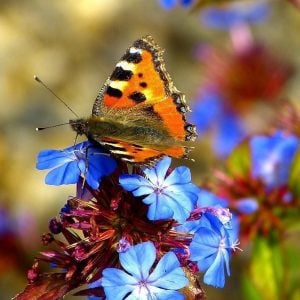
point(139, 114)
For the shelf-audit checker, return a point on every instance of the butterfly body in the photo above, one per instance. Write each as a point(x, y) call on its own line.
point(139, 115)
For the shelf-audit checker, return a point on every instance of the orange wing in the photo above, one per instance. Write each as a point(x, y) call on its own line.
point(138, 154)
point(140, 79)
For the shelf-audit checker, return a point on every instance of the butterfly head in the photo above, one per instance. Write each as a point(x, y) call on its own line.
point(79, 126)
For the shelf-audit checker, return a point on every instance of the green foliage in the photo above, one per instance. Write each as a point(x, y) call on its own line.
point(273, 272)
point(294, 179)
point(265, 271)
point(239, 162)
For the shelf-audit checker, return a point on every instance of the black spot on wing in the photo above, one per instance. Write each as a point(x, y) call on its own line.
point(143, 84)
point(140, 75)
point(132, 57)
point(114, 92)
point(121, 74)
point(137, 97)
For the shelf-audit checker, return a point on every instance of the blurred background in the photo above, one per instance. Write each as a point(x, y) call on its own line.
point(73, 47)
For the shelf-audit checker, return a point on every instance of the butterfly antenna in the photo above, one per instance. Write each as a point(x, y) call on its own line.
point(52, 126)
point(62, 101)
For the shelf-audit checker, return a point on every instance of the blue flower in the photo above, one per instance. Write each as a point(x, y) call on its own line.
point(272, 157)
point(136, 283)
point(172, 196)
point(69, 164)
point(211, 248)
point(207, 202)
point(235, 14)
point(247, 205)
point(169, 4)
point(210, 113)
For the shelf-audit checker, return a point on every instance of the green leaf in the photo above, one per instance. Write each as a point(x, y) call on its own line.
point(249, 291)
point(294, 178)
point(239, 162)
point(266, 271)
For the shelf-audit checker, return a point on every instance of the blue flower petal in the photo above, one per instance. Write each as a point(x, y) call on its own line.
point(173, 196)
point(180, 175)
point(170, 205)
point(65, 174)
point(215, 274)
point(139, 259)
point(211, 249)
point(205, 244)
point(206, 110)
point(48, 159)
point(168, 274)
point(207, 198)
point(83, 159)
point(272, 157)
point(99, 165)
point(158, 209)
point(247, 205)
point(158, 173)
point(167, 295)
point(229, 135)
point(167, 4)
point(180, 204)
point(186, 2)
point(117, 284)
point(188, 226)
point(137, 184)
point(232, 229)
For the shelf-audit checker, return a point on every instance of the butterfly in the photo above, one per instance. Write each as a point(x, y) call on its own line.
point(139, 115)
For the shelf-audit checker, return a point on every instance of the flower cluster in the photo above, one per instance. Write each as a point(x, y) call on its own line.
point(144, 233)
point(236, 79)
point(260, 184)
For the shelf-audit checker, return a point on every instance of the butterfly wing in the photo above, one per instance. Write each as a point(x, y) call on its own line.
point(134, 153)
point(140, 82)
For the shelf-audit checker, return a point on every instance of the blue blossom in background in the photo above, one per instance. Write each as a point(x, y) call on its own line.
point(210, 113)
point(169, 4)
point(173, 196)
point(211, 248)
point(247, 205)
point(235, 14)
point(68, 165)
point(137, 282)
point(272, 157)
point(7, 225)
